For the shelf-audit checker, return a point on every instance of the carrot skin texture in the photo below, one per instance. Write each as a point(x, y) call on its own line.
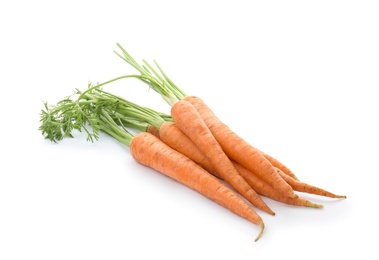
point(148, 150)
point(191, 124)
point(170, 134)
point(311, 189)
point(239, 150)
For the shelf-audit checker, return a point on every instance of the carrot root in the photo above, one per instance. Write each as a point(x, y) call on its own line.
point(262, 226)
point(305, 187)
point(313, 205)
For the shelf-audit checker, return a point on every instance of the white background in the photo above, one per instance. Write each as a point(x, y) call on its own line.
point(297, 79)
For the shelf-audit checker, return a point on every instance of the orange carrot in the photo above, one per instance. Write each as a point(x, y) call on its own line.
point(188, 120)
point(176, 139)
point(170, 134)
point(239, 150)
point(280, 165)
point(305, 187)
point(152, 152)
point(132, 115)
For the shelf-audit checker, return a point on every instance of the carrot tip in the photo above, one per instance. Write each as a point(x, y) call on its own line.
point(294, 196)
point(314, 205)
point(269, 211)
point(262, 226)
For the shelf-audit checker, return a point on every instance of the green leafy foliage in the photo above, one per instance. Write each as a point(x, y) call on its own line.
point(95, 110)
point(59, 121)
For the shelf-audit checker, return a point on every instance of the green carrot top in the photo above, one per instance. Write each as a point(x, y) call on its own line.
point(158, 81)
point(95, 110)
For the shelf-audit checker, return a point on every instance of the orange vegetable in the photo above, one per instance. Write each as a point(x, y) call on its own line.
point(147, 149)
point(177, 140)
point(279, 165)
point(170, 134)
point(239, 150)
point(188, 120)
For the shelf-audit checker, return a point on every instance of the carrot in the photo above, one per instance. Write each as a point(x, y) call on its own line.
point(170, 134)
point(147, 149)
point(183, 144)
point(305, 187)
point(150, 151)
point(128, 112)
point(267, 190)
point(280, 166)
point(233, 146)
point(190, 123)
point(239, 150)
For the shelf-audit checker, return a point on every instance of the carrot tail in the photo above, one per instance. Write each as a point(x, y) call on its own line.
point(266, 190)
point(262, 227)
point(239, 150)
point(152, 152)
point(305, 187)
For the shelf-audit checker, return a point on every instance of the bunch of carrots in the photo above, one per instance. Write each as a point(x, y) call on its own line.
point(191, 144)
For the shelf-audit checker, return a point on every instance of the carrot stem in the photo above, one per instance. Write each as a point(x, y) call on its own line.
point(164, 88)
